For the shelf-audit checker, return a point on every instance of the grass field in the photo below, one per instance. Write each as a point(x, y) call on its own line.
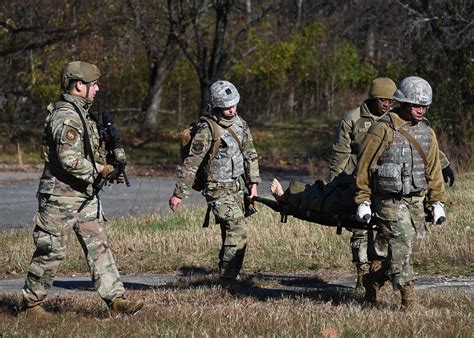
point(215, 312)
point(200, 307)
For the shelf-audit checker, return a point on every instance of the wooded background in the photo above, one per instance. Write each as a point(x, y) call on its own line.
point(295, 61)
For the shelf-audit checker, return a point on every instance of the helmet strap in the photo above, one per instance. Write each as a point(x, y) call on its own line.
point(217, 112)
point(405, 111)
point(88, 86)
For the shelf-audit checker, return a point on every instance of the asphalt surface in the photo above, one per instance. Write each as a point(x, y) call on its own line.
point(145, 195)
point(289, 283)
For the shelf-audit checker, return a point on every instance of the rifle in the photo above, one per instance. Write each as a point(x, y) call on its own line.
point(114, 149)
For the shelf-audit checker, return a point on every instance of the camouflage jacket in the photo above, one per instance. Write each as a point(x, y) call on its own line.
point(376, 142)
point(68, 169)
point(200, 146)
point(352, 130)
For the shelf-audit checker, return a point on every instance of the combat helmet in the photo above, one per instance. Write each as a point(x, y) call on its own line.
point(415, 90)
point(223, 94)
point(79, 70)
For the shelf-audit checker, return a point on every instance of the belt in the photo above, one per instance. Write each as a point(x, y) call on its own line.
point(223, 185)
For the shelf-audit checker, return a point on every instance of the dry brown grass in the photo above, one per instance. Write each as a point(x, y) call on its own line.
point(188, 310)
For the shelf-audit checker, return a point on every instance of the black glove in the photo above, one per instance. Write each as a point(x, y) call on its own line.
point(448, 175)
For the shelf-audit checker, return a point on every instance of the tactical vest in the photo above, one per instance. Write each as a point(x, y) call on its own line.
point(228, 163)
point(55, 180)
point(401, 169)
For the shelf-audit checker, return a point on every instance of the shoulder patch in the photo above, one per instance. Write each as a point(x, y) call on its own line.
point(197, 147)
point(71, 134)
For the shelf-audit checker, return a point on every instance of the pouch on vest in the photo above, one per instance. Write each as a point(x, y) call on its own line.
point(387, 178)
point(237, 166)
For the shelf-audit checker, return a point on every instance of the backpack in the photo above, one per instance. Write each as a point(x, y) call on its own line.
point(187, 136)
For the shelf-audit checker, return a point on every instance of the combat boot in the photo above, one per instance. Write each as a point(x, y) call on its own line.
point(371, 291)
point(374, 280)
point(127, 307)
point(408, 296)
point(38, 313)
point(362, 271)
point(230, 283)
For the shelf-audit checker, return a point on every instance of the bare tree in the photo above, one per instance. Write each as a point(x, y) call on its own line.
point(161, 48)
point(440, 34)
point(24, 28)
point(211, 45)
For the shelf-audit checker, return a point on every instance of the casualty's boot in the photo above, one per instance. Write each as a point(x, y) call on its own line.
point(408, 296)
point(362, 271)
point(123, 306)
point(39, 313)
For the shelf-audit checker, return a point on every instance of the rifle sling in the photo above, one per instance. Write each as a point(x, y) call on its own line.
point(88, 151)
point(87, 143)
point(416, 144)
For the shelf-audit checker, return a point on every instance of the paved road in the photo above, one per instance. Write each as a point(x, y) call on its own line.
point(145, 195)
point(286, 283)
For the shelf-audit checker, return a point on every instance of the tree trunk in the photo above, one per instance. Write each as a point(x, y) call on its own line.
point(204, 96)
point(152, 103)
point(180, 108)
point(299, 6)
point(150, 122)
point(370, 44)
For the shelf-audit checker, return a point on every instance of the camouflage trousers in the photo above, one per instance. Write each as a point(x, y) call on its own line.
point(227, 205)
point(359, 246)
point(57, 218)
point(401, 229)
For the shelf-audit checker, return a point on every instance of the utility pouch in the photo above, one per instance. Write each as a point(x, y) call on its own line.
point(406, 180)
point(387, 178)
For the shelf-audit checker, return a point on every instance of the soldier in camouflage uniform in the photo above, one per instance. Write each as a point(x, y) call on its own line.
point(398, 166)
point(351, 132)
point(225, 175)
point(73, 158)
